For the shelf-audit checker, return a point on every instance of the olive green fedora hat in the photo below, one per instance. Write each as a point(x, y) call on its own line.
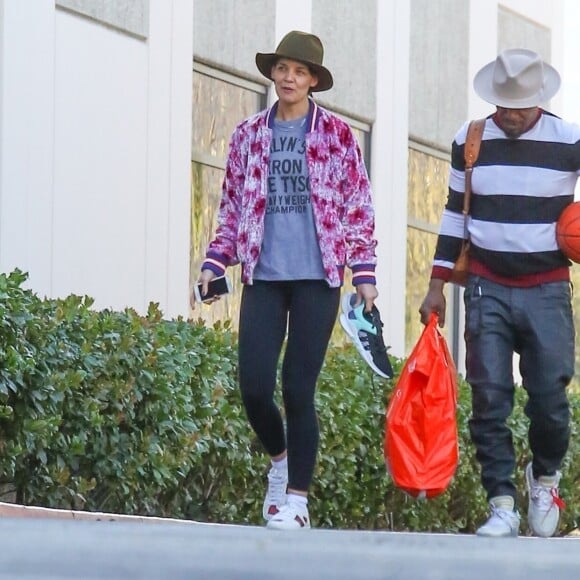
point(302, 47)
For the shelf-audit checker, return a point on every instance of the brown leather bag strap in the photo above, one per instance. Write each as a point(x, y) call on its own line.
point(473, 141)
point(470, 154)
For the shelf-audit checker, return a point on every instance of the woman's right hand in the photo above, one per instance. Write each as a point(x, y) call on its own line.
point(204, 279)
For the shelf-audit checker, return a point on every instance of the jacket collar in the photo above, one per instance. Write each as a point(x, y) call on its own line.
point(311, 119)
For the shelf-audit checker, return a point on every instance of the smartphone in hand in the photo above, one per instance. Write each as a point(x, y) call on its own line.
point(216, 287)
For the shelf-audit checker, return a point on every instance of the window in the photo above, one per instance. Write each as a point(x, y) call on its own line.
point(220, 102)
point(428, 176)
point(362, 133)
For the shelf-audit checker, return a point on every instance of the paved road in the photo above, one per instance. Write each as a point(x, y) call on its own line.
point(32, 549)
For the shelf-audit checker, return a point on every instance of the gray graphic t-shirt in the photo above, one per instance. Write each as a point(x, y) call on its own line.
point(290, 249)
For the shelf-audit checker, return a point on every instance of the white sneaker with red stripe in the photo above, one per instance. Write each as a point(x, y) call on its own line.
point(276, 492)
point(292, 516)
point(544, 504)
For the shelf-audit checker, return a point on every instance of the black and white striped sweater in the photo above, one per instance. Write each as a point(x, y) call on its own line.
point(519, 188)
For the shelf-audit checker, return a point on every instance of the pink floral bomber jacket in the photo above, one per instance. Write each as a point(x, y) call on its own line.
point(340, 195)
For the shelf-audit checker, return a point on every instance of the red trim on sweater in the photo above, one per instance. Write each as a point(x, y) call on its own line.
point(558, 275)
point(527, 281)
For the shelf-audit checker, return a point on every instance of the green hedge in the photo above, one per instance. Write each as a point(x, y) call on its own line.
point(112, 411)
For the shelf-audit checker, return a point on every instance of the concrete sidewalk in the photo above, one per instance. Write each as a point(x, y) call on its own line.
point(44, 545)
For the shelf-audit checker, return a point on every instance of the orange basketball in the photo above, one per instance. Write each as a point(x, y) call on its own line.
point(568, 231)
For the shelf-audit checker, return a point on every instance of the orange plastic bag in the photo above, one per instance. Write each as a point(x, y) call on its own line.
point(421, 444)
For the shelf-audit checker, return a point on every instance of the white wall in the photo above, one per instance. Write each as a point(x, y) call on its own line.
point(95, 129)
point(289, 16)
point(95, 154)
point(27, 139)
point(100, 161)
point(570, 76)
point(389, 166)
point(484, 39)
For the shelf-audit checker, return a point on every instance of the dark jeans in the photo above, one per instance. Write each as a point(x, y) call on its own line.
point(537, 324)
point(307, 310)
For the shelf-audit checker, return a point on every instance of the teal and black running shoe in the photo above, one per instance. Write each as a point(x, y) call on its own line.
point(366, 332)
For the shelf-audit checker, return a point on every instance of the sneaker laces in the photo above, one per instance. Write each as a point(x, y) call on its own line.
point(557, 499)
point(374, 318)
point(277, 482)
point(501, 512)
point(544, 496)
point(375, 343)
point(374, 340)
point(505, 515)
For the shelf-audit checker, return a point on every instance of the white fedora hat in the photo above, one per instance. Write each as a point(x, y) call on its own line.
point(517, 79)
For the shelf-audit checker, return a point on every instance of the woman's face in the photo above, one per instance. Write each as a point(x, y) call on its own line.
point(292, 81)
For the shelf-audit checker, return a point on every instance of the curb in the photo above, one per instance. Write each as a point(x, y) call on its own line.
point(11, 510)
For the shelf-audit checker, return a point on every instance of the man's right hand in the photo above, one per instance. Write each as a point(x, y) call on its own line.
point(434, 301)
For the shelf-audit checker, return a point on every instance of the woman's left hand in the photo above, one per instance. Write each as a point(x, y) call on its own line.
point(367, 293)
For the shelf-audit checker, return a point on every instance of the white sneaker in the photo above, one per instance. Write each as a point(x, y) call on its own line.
point(290, 517)
point(276, 492)
point(504, 521)
point(544, 503)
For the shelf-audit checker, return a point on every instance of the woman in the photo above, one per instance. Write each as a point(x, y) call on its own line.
point(296, 208)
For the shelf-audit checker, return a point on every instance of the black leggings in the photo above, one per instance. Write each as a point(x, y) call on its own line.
point(307, 308)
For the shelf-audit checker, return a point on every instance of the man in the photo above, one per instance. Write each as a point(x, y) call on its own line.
point(518, 297)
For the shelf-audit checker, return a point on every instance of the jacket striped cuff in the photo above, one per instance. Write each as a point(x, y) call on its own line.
point(363, 274)
point(215, 263)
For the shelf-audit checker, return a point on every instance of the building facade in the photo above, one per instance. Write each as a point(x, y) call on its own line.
point(115, 118)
